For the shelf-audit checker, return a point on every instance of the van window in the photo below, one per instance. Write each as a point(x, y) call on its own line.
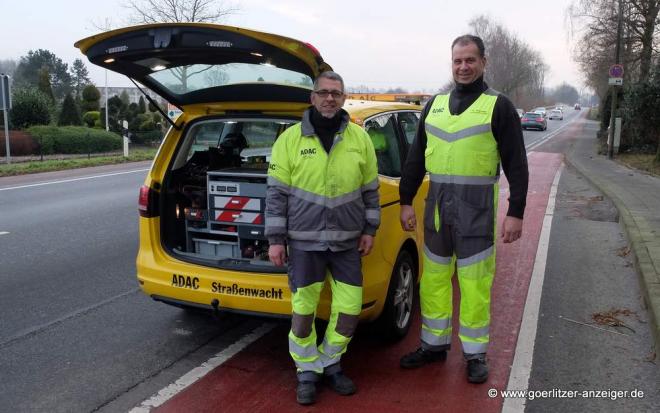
point(383, 135)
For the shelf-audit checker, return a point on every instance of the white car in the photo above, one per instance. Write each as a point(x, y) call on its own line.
point(540, 110)
point(556, 114)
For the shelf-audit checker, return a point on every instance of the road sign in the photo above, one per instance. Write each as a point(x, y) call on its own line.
point(5, 92)
point(615, 81)
point(616, 70)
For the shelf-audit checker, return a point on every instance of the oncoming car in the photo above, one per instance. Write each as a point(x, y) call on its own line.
point(201, 224)
point(556, 114)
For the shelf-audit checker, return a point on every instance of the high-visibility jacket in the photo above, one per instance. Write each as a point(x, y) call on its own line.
point(462, 158)
point(320, 200)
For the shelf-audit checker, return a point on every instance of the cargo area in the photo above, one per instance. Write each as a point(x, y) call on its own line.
point(214, 194)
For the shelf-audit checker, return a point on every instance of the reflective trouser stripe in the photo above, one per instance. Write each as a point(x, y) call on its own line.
point(435, 296)
point(346, 299)
point(475, 281)
point(303, 350)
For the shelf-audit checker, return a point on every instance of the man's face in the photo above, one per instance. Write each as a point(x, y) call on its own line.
point(328, 97)
point(467, 65)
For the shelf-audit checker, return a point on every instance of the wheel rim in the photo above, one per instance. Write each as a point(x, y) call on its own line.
point(403, 295)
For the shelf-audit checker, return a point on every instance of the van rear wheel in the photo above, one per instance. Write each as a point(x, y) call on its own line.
point(397, 314)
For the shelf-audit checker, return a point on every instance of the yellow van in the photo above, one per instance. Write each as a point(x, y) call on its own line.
point(201, 207)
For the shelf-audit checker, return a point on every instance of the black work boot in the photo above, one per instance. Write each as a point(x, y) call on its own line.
point(477, 370)
point(420, 357)
point(341, 383)
point(306, 392)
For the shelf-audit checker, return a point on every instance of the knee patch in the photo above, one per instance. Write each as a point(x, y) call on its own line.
point(301, 325)
point(346, 324)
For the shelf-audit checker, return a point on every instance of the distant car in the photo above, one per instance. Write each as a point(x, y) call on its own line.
point(533, 120)
point(540, 110)
point(520, 112)
point(556, 114)
point(577, 106)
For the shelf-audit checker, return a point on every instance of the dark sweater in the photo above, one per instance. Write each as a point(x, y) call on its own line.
point(326, 128)
point(505, 125)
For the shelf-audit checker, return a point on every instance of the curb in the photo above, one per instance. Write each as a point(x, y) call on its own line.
point(648, 276)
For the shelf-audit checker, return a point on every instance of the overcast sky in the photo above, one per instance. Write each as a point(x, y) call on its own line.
point(375, 43)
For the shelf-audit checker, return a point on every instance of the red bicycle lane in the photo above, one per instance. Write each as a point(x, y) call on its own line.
point(261, 378)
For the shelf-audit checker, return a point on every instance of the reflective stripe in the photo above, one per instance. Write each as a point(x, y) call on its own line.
point(436, 258)
point(464, 180)
point(480, 256)
point(491, 92)
point(343, 199)
point(324, 200)
point(316, 366)
point(330, 350)
point(436, 323)
point(373, 214)
point(272, 181)
point(324, 235)
point(433, 340)
point(303, 352)
point(474, 348)
point(371, 186)
point(275, 221)
point(473, 332)
point(452, 137)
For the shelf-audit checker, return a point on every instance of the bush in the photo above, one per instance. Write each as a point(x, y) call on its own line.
point(70, 115)
point(29, 107)
point(142, 138)
point(92, 118)
point(74, 139)
point(90, 98)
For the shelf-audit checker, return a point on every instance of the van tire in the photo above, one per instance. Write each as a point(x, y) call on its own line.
point(396, 318)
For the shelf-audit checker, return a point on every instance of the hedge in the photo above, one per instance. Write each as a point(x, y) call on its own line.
point(74, 139)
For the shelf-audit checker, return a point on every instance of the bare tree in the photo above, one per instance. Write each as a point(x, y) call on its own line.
point(176, 11)
point(514, 68)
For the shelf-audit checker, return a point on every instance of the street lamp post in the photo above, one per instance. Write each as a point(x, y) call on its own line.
point(107, 127)
point(615, 89)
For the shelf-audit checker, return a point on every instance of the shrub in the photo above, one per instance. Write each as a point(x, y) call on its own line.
point(75, 139)
point(29, 107)
point(69, 115)
point(92, 118)
point(90, 98)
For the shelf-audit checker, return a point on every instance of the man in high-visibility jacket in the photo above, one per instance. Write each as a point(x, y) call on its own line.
point(462, 139)
point(322, 200)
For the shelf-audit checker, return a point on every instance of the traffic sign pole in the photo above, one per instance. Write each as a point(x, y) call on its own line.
point(6, 99)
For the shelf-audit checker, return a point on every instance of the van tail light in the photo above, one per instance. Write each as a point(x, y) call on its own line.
point(148, 202)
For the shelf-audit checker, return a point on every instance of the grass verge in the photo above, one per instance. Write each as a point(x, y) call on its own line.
point(642, 162)
point(50, 165)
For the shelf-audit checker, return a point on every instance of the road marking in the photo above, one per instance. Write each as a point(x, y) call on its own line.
point(522, 360)
point(548, 136)
point(4, 232)
point(198, 372)
point(73, 179)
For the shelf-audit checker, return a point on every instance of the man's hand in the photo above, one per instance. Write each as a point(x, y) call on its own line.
point(366, 244)
point(408, 219)
point(511, 229)
point(277, 254)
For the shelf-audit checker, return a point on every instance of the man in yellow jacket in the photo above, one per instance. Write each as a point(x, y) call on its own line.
point(322, 201)
point(463, 140)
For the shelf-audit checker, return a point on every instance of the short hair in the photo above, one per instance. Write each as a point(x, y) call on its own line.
point(469, 38)
point(329, 74)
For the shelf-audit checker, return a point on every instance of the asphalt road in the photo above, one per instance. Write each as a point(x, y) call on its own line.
point(75, 331)
point(76, 334)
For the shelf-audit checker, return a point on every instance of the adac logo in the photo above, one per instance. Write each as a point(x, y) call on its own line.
point(438, 110)
point(308, 152)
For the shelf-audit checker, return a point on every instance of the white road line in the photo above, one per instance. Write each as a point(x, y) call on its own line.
point(522, 360)
point(73, 179)
point(198, 372)
point(4, 232)
point(547, 137)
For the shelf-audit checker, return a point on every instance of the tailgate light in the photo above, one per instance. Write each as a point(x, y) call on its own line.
point(313, 49)
point(148, 202)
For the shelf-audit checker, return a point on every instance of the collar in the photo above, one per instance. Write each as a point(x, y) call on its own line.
point(307, 129)
point(478, 86)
